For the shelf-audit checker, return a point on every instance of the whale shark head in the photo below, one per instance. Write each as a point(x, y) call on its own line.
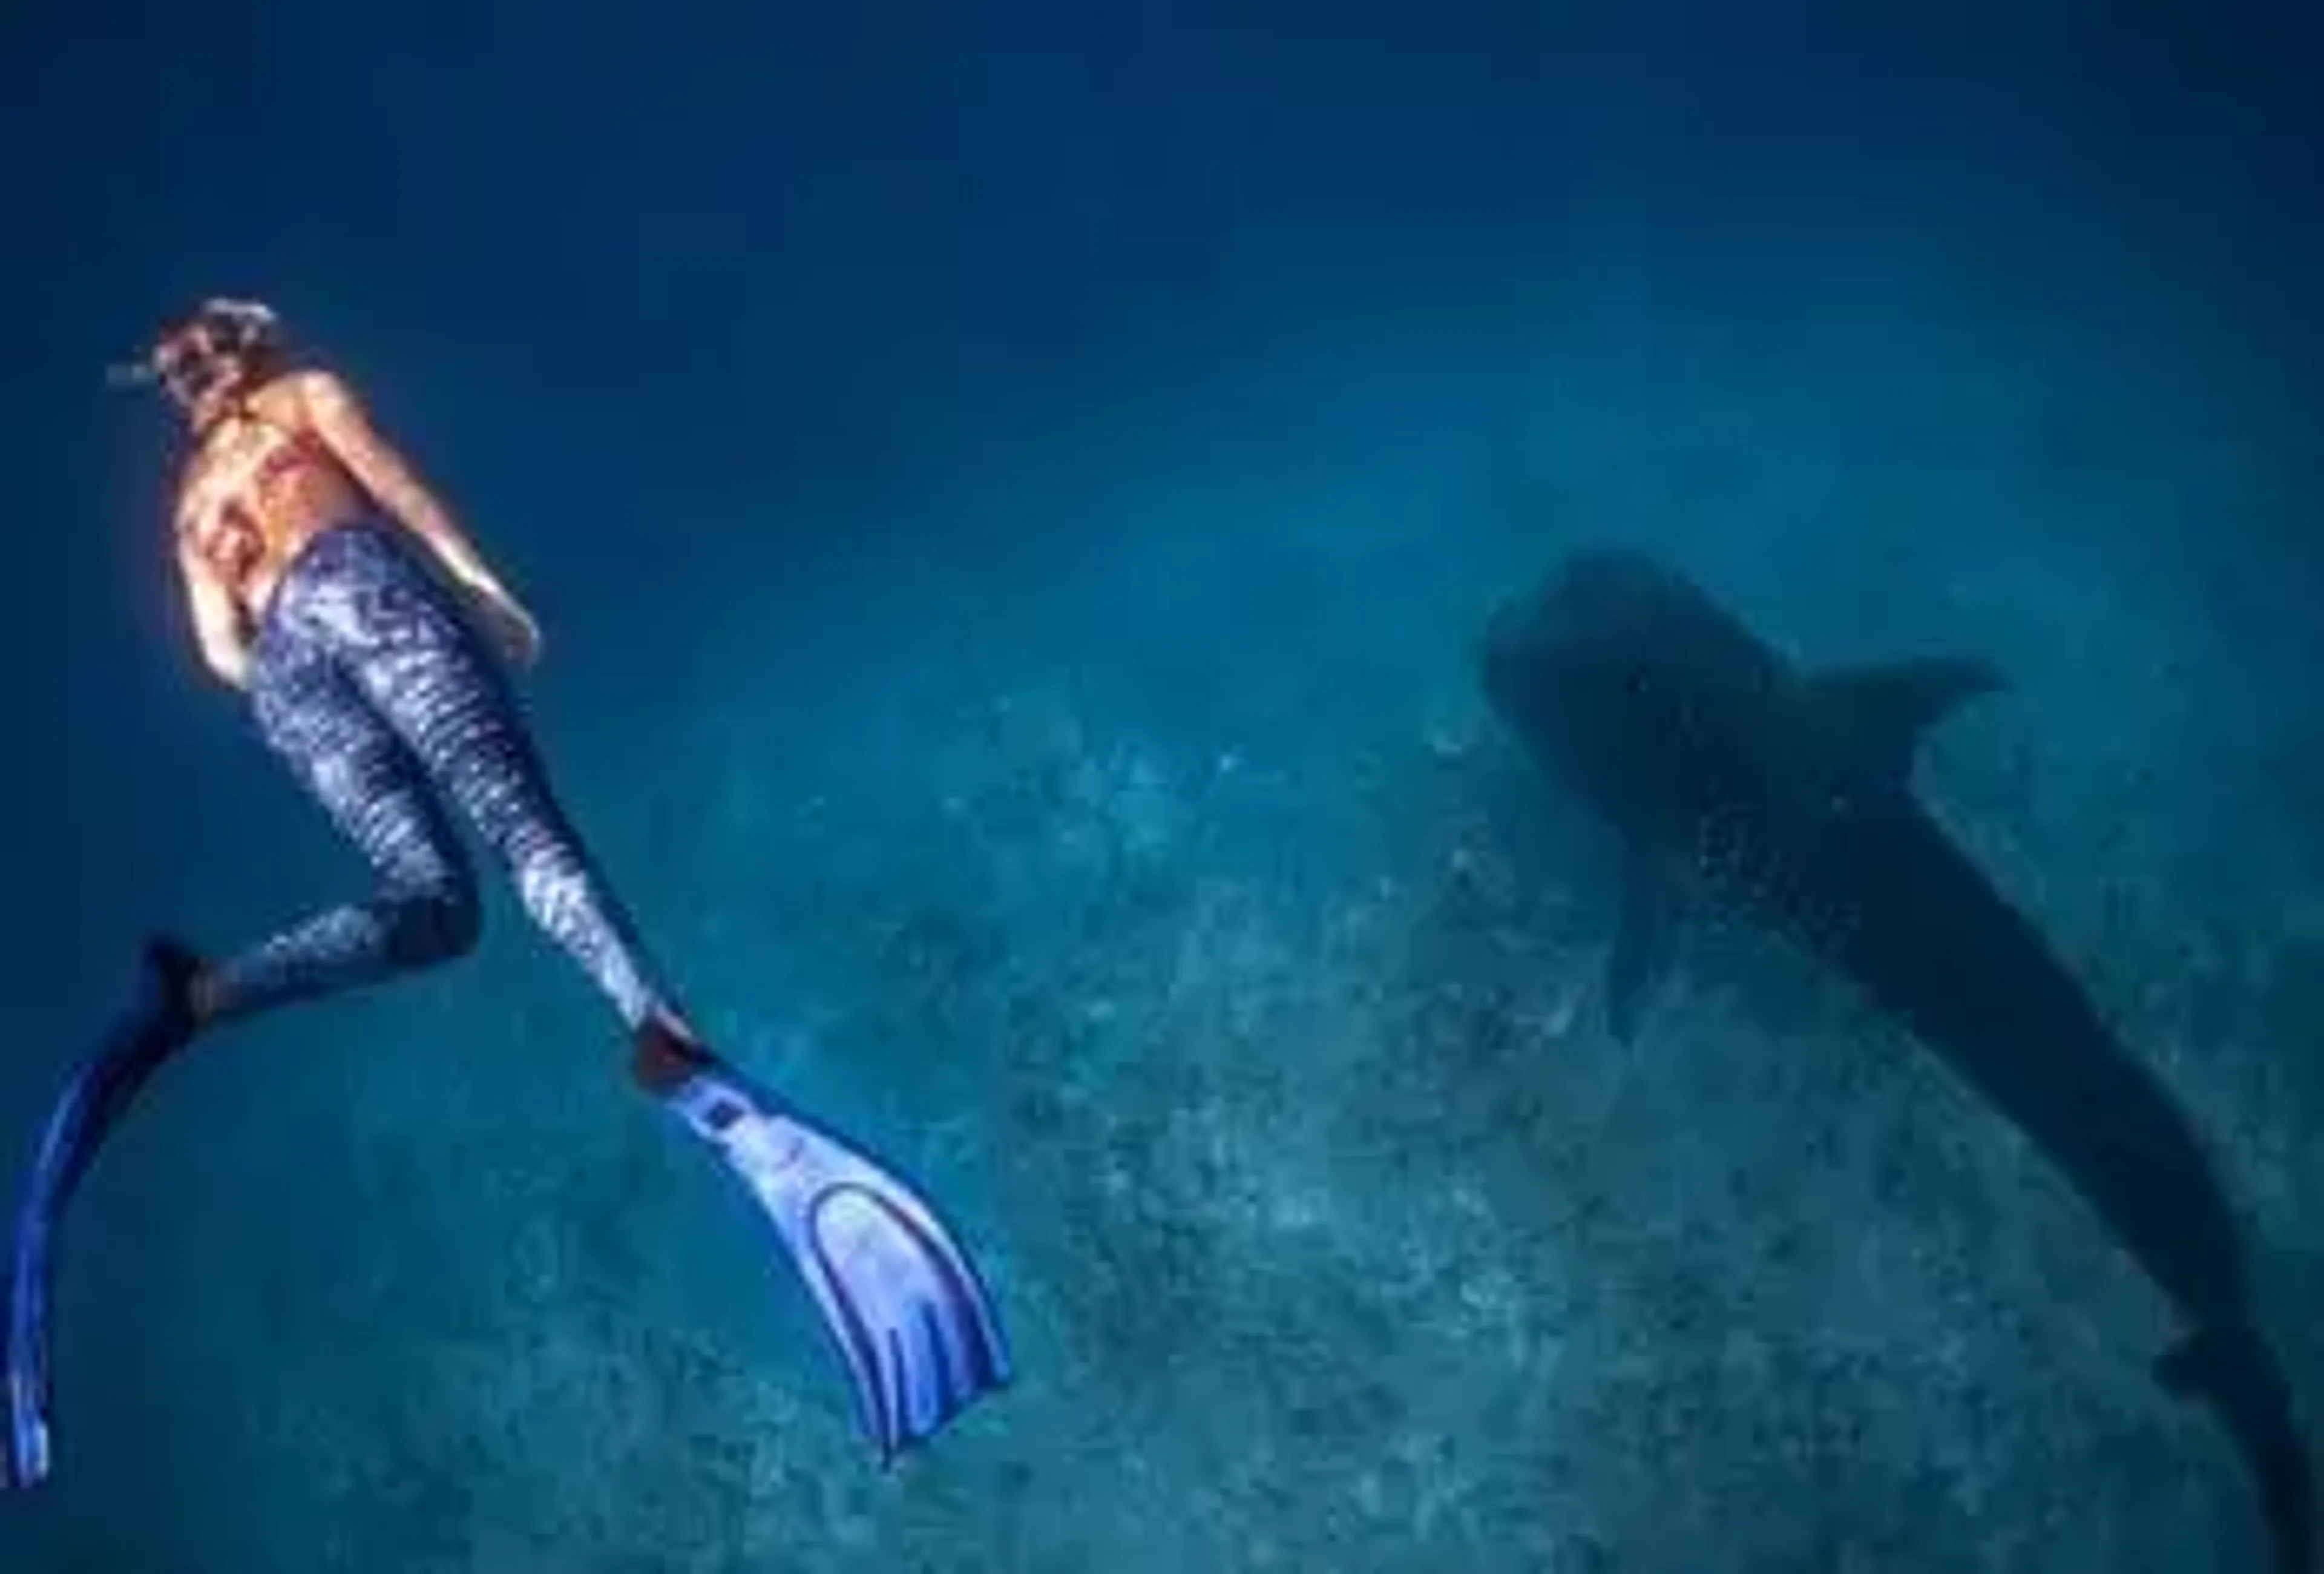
point(1576, 630)
point(1627, 683)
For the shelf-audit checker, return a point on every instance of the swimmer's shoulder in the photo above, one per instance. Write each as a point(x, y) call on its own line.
point(312, 399)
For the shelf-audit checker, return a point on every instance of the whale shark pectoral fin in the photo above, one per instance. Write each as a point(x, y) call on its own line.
point(1643, 939)
point(1883, 711)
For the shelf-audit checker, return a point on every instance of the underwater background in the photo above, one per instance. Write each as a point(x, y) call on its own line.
point(1012, 492)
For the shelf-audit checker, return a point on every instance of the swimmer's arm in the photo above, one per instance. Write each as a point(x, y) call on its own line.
point(220, 630)
point(340, 419)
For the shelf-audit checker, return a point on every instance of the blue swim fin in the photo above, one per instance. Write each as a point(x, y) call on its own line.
point(903, 1303)
point(159, 1023)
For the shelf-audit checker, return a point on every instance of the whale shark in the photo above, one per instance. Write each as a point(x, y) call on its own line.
point(1735, 777)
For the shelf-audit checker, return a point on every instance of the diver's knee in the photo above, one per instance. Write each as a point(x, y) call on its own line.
point(438, 924)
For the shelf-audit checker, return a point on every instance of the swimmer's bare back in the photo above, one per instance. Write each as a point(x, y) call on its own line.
point(277, 466)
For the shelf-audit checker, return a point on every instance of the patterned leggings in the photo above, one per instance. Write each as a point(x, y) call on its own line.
point(373, 685)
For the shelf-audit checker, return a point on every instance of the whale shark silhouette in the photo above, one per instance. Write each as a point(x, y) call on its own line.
point(1732, 775)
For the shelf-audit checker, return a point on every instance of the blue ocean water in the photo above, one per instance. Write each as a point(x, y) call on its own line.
point(1012, 493)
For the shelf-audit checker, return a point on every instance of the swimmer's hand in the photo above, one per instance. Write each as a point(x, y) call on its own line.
point(512, 628)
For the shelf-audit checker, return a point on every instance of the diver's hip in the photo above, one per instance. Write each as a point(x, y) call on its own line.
point(360, 584)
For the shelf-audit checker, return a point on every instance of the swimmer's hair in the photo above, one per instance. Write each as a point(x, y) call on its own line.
point(250, 330)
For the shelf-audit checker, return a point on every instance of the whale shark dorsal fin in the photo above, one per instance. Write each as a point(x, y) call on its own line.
point(1881, 710)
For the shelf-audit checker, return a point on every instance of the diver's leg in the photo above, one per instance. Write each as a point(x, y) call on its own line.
point(376, 792)
point(466, 724)
point(452, 705)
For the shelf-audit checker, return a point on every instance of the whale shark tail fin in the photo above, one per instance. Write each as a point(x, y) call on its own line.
point(1883, 710)
point(2231, 1370)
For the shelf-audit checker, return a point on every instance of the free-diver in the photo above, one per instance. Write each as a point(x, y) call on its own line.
point(331, 589)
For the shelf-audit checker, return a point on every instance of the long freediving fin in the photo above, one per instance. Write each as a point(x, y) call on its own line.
point(159, 1023)
point(899, 1297)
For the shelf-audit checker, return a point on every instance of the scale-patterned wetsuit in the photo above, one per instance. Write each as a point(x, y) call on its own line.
point(372, 684)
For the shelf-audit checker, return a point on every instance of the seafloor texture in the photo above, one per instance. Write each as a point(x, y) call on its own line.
point(1161, 893)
